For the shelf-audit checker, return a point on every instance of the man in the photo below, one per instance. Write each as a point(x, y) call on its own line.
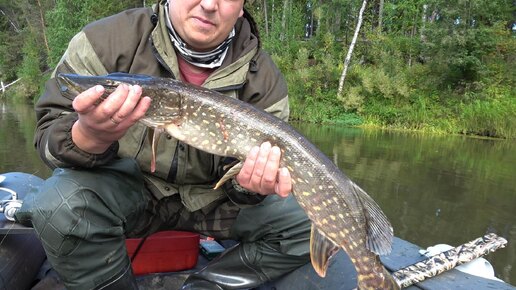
point(103, 191)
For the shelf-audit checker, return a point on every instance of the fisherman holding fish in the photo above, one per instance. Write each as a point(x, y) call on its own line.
point(103, 189)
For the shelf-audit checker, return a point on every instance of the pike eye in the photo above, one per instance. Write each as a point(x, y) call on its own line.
point(110, 86)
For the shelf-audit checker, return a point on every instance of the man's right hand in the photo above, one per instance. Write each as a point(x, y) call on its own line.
point(102, 123)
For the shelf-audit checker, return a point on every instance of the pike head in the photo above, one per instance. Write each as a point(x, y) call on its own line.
point(165, 108)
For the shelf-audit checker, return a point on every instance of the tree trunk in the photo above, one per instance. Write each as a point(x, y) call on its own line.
point(413, 32)
point(16, 29)
point(4, 86)
point(273, 24)
point(319, 16)
point(380, 17)
point(350, 51)
point(423, 23)
point(266, 18)
point(338, 23)
point(284, 20)
point(311, 31)
point(43, 27)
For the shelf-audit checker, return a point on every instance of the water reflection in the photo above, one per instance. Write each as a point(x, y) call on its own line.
point(17, 153)
point(434, 189)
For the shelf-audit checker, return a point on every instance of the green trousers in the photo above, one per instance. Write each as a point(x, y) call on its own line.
point(83, 217)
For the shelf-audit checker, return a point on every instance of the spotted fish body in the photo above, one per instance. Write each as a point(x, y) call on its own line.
point(342, 214)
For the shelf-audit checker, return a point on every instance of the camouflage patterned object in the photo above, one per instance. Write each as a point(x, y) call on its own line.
point(343, 215)
point(448, 260)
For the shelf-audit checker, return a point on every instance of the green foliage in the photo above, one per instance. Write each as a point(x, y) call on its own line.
point(62, 27)
point(311, 77)
point(11, 43)
point(434, 69)
point(433, 65)
point(374, 85)
point(29, 71)
point(23, 52)
point(10, 55)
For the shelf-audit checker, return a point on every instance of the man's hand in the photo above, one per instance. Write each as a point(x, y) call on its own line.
point(261, 172)
point(102, 123)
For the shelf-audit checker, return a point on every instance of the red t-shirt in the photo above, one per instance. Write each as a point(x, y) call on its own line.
point(190, 73)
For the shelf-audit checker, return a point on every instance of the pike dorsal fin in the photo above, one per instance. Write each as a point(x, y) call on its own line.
point(321, 251)
point(379, 231)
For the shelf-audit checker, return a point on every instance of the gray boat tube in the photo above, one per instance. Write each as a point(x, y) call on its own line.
point(21, 252)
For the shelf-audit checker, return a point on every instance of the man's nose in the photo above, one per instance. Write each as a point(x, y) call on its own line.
point(209, 5)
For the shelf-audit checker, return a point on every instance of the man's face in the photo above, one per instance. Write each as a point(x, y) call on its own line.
point(204, 24)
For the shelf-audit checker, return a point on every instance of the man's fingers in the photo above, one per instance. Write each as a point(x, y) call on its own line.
point(129, 105)
point(141, 109)
point(86, 100)
point(244, 177)
point(261, 172)
point(259, 165)
point(114, 102)
point(284, 185)
point(270, 174)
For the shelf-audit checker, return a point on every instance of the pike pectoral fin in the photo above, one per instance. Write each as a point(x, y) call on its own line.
point(154, 144)
point(321, 251)
point(234, 170)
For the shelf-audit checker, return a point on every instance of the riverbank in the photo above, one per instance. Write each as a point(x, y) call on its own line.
point(494, 119)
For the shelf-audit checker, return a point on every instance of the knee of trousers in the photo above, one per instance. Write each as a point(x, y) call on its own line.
point(64, 213)
point(275, 236)
point(76, 207)
point(81, 217)
point(279, 224)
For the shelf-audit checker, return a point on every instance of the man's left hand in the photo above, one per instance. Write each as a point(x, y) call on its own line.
point(261, 172)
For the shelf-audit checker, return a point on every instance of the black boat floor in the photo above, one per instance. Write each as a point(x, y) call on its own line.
point(341, 275)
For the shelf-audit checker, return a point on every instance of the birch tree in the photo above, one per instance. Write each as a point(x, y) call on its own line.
point(11, 22)
point(266, 18)
point(350, 51)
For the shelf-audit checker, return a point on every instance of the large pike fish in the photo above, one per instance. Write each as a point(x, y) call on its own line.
point(342, 214)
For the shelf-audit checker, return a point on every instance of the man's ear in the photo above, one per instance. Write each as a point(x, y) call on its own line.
point(241, 12)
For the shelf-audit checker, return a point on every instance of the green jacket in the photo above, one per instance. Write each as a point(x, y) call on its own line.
point(137, 41)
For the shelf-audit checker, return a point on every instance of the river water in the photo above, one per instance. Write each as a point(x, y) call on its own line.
point(434, 189)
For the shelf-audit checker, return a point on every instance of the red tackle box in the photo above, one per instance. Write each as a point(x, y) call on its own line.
point(166, 251)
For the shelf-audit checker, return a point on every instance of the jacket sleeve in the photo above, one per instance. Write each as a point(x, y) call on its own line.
point(55, 114)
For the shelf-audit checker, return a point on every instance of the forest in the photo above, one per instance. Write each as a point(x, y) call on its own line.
point(429, 65)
